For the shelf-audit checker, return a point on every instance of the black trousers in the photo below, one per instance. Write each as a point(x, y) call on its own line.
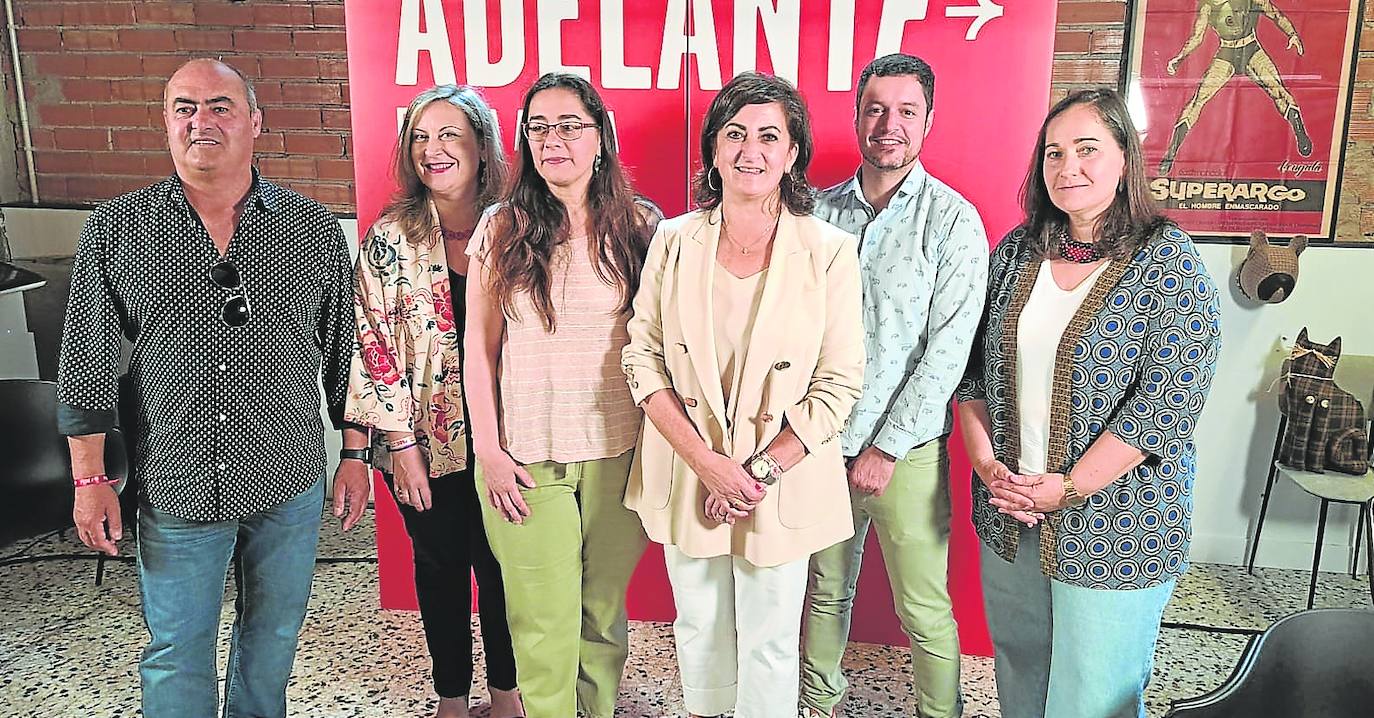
point(450, 546)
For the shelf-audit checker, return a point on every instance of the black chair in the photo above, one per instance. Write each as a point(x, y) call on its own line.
point(35, 472)
point(1312, 664)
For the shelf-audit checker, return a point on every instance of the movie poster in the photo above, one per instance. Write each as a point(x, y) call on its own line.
point(1244, 105)
point(657, 64)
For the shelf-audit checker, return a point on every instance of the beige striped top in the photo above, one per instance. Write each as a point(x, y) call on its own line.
point(563, 395)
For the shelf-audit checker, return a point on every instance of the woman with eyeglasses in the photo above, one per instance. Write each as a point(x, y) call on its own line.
point(746, 353)
point(557, 263)
point(405, 381)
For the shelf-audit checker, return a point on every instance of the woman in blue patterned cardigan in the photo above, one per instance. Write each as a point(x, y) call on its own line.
point(1096, 352)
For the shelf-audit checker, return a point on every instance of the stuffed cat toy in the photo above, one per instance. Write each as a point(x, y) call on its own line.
point(1326, 425)
point(1268, 272)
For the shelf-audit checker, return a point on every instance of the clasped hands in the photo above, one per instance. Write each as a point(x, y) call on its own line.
point(1024, 497)
point(732, 494)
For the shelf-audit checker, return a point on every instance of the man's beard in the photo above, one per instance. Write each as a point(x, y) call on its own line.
point(896, 163)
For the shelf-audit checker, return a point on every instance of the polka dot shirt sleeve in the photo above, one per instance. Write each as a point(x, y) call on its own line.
point(89, 360)
point(337, 339)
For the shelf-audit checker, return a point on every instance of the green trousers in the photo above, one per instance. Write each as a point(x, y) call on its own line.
point(912, 519)
point(566, 569)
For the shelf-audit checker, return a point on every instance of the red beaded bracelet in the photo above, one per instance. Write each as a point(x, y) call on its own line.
point(95, 480)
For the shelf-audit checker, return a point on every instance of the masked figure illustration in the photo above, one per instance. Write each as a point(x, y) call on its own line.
point(1234, 22)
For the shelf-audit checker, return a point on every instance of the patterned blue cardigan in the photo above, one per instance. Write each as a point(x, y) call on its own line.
point(1137, 359)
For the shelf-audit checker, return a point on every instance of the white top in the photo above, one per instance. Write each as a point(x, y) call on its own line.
point(1043, 320)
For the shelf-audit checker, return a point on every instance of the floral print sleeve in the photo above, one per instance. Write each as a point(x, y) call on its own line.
point(405, 375)
point(378, 396)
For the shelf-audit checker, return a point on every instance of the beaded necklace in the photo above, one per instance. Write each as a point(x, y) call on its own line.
point(454, 235)
point(1076, 251)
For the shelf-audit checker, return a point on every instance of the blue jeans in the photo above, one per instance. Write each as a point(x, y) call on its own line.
point(1064, 651)
point(182, 567)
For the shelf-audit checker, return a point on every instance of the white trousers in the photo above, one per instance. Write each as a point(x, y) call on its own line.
point(737, 632)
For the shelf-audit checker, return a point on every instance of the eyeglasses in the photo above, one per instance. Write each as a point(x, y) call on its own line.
point(568, 130)
point(235, 312)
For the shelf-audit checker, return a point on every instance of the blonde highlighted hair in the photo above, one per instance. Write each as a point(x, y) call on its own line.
point(409, 207)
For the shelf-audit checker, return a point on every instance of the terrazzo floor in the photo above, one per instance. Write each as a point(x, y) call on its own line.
point(69, 649)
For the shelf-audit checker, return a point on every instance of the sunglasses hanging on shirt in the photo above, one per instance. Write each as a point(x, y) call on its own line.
point(235, 312)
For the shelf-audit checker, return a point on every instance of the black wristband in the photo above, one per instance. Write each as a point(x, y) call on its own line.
point(364, 454)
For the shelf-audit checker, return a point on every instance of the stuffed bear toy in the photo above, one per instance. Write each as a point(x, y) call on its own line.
point(1268, 272)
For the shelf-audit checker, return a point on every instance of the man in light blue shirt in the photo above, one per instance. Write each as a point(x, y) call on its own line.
point(923, 257)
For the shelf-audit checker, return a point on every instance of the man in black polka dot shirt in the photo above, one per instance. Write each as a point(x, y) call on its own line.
point(235, 293)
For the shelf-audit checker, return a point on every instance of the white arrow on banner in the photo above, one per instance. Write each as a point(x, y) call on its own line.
point(984, 12)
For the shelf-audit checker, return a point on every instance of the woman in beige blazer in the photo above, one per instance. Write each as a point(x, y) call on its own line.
point(746, 353)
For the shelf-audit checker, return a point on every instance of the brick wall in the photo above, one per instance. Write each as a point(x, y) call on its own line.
point(1087, 45)
point(94, 69)
point(93, 73)
point(1356, 219)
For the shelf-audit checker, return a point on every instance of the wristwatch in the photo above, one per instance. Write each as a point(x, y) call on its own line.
point(364, 454)
point(764, 468)
point(1071, 495)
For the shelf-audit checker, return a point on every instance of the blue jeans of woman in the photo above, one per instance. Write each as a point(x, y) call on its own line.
point(1064, 651)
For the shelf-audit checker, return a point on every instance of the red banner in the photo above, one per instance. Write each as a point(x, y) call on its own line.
point(658, 63)
point(1244, 106)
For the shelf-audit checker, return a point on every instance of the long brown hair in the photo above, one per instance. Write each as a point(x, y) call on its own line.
point(531, 222)
point(409, 207)
point(1133, 217)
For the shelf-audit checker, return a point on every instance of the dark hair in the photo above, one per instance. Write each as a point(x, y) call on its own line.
point(754, 88)
point(1133, 217)
point(899, 63)
point(409, 207)
point(531, 222)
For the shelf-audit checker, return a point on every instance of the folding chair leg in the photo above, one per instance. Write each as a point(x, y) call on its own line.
point(1317, 554)
point(1264, 508)
point(1359, 531)
point(1369, 548)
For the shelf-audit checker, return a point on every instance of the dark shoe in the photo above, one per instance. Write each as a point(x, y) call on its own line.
point(1175, 142)
point(1299, 132)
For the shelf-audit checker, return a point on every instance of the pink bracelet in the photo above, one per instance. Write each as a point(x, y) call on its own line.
point(95, 480)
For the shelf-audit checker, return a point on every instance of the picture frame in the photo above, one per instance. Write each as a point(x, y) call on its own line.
point(1243, 108)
